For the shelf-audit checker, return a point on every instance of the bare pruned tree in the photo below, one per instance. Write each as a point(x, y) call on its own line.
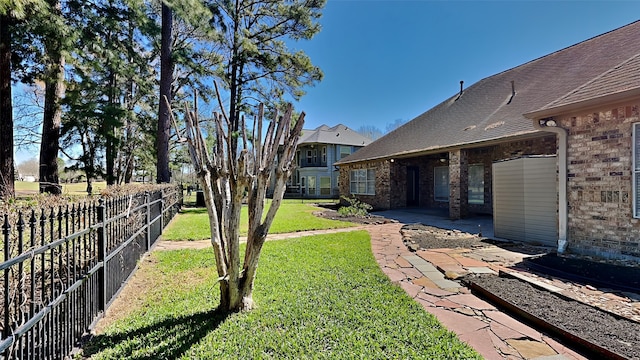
point(241, 163)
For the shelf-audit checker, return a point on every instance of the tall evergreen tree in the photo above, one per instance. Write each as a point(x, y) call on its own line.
point(12, 14)
point(166, 78)
point(111, 81)
point(38, 59)
point(54, 88)
point(7, 166)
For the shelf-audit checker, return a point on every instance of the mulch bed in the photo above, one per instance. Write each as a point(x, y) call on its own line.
point(599, 274)
point(330, 211)
point(616, 334)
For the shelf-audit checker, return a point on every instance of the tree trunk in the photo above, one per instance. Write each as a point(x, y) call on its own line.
point(110, 133)
point(54, 88)
point(7, 168)
point(166, 74)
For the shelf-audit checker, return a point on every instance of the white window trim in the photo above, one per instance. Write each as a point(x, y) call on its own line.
point(635, 169)
point(369, 190)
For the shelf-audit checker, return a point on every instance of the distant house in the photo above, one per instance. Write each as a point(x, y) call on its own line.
point(550, 148)
point(28, 178)
point(318, 150)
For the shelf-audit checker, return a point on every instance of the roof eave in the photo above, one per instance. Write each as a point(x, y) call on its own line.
point(427, 151)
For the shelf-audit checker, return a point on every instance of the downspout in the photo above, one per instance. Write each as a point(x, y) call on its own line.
point(550, 125)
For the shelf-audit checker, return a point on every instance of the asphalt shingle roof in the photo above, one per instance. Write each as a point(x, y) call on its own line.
point(487, 111)
point(339, 134)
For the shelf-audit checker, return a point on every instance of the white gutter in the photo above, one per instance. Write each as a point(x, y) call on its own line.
point(563, 205)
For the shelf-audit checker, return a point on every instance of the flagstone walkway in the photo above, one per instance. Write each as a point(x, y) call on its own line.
point(494, 334)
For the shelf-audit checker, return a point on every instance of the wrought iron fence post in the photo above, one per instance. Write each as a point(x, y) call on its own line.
point(6, 230)
point(147, 199)
point(102, 274)
point(161, 211)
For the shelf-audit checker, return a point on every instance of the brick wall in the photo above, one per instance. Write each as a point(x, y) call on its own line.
point(391, 176)
point(600, 182)
point(381, 199)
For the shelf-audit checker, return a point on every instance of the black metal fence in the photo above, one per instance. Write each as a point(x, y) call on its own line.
point(63, 267)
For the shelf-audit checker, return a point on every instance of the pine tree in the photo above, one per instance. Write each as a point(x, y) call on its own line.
point(111, 82)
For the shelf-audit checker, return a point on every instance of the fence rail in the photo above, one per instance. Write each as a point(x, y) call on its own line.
point(63, 267)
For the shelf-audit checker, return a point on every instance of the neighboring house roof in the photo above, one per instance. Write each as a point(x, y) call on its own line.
point(489, 110)
point(339, 134)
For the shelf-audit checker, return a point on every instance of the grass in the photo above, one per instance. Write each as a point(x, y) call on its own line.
point(320, 297)
point(26, 188)
point(193, 223)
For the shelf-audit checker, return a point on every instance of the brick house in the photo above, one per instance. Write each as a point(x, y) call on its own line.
point(318, 150)
point(549, 148)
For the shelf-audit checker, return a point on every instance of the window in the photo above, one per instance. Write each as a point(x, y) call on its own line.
point(309, 156)
point(441, 183)
point(344, 151)
point(476, 184)
point(363, 181)
point(311, 185)
point(325, 185)
point(636, 170)
point(324, 155)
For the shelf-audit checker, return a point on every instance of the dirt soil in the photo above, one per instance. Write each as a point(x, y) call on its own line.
point(419, 236)
point(618, 335)
point(330, 211)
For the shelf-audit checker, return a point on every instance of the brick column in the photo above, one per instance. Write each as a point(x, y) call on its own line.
point(458, 184)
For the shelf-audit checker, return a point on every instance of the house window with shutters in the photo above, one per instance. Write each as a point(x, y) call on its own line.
point(636, 170)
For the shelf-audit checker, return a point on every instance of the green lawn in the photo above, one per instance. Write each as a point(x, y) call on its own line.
point(27, 188)
point(320, 297)
point(293, 215)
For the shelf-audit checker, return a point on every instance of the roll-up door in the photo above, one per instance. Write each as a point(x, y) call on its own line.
point(525, 205)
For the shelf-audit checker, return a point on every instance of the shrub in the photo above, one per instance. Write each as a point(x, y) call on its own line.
point(355, 208)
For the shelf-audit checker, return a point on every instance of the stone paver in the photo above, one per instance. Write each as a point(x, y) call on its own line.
point(402, 262)
point(531, 349)
point(492, 333)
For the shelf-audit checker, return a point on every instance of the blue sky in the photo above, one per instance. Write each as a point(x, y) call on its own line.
point(386, 60)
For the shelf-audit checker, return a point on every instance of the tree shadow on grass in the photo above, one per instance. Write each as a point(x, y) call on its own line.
point(167, 339)
point(194, 210)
